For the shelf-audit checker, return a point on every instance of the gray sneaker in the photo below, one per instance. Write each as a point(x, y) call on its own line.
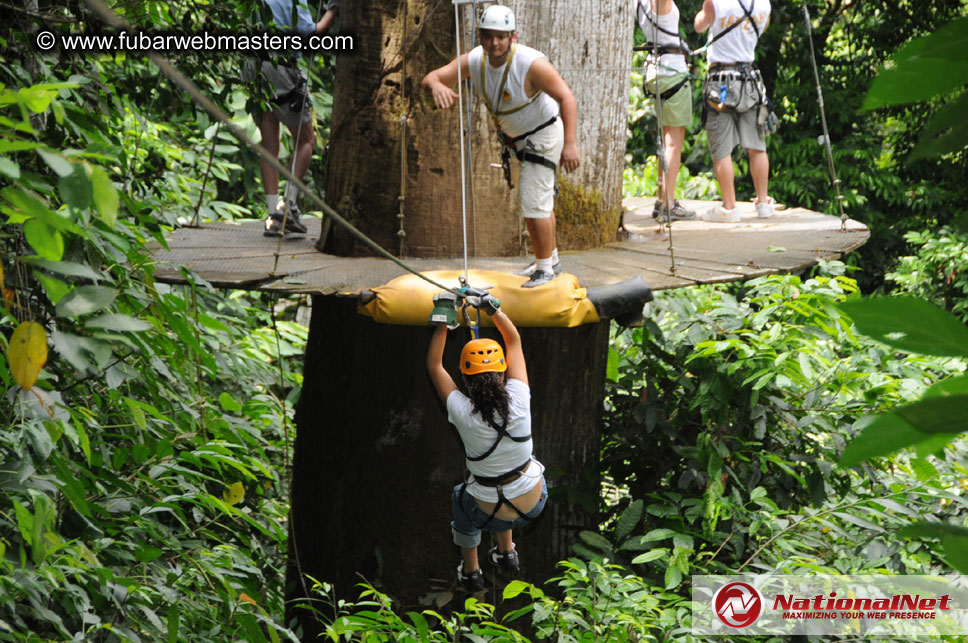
point(539, 278)
point(293, 222)
point(677, 212)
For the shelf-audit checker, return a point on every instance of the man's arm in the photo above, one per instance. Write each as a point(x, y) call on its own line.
point(441, 81)
point(704, 19)
point(441, 379)
point(542, 75)
point(326, 22)
point(512, 345)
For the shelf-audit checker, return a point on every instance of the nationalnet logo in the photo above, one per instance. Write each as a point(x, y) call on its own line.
point(738, 604)
point(871, 606)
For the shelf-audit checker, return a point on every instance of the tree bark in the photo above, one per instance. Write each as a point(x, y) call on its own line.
point(376, 459)
point(378, 84)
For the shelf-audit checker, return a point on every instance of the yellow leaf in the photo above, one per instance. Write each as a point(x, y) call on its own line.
point(233, 493)
point(27, 353)
point(248, 599)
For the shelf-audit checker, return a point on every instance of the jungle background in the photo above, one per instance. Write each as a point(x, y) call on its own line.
point(146, 429)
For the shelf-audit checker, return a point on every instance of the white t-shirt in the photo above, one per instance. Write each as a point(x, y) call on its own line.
point(478, 436)
point(738, 45)
point(540, 111)
point(669, 64)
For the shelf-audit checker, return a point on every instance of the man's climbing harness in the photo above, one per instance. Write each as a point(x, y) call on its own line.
point(508, 142)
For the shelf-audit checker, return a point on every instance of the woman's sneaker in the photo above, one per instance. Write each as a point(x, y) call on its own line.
point(719, 214)
point(473, 582)
point(507, 561)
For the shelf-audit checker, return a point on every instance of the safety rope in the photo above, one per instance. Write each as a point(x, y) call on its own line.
point(189, 87)
point(823, 122)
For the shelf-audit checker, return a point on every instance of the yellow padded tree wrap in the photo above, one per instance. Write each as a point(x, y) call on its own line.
point(408, 300)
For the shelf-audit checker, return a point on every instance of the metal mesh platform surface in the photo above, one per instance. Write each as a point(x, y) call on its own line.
point(236, 255)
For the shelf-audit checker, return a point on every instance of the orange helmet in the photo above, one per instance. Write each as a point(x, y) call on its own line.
point(482, 356)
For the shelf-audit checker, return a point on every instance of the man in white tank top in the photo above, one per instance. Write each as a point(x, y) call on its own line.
point(734, 93)
point(535, 112)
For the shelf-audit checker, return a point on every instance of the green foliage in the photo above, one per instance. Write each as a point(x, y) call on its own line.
point(725, 417)
point(374, 618)
point(924, 68)
point(134, 507)
point(938, 272)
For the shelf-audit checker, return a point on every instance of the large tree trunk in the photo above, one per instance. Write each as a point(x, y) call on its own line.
point(378, 84)
point(376, 459)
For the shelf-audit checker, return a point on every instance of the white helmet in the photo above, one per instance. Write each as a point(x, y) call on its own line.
point(497, 18)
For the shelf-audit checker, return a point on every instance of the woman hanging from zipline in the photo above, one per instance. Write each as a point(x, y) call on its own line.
point(504, 486)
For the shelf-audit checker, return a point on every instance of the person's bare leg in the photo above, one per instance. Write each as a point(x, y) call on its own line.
point(269, 128)
point(504, 542)
point(673, 139)
point(760, 170)
point(469, 554)
point(724, 176)
point(303, 138)
point(542, 234)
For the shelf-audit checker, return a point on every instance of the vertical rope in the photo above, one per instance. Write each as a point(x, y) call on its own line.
point(662, 166)
point(460, 110)
point(823, 121)
point(470, 151)
point(401, 233)
point(208, 171)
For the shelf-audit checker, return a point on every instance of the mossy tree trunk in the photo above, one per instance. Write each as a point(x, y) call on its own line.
point(378, 85)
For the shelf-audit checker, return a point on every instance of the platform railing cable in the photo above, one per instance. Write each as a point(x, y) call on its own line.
point(205, 103)
point(823, 121)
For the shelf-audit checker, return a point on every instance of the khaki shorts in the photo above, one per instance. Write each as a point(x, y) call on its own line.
point(677, 109)
point(536, 183)
point(283, 79)
point(727, 129)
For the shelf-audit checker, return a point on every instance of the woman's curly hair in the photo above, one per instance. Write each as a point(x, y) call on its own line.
point(489, 397)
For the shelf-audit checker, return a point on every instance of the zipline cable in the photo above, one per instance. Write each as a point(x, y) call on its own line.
point(179, 79)
point(823, 122)
point(460, 110)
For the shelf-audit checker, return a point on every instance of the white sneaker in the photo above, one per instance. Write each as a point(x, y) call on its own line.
point(719, 214)
point(765, 209)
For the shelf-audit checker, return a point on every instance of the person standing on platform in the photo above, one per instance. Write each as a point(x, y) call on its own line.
point(736, 104)
point(537, 119)
point(289, 101)
point(668, 76)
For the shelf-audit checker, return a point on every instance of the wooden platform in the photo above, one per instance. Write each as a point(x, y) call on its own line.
point(236, 255)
